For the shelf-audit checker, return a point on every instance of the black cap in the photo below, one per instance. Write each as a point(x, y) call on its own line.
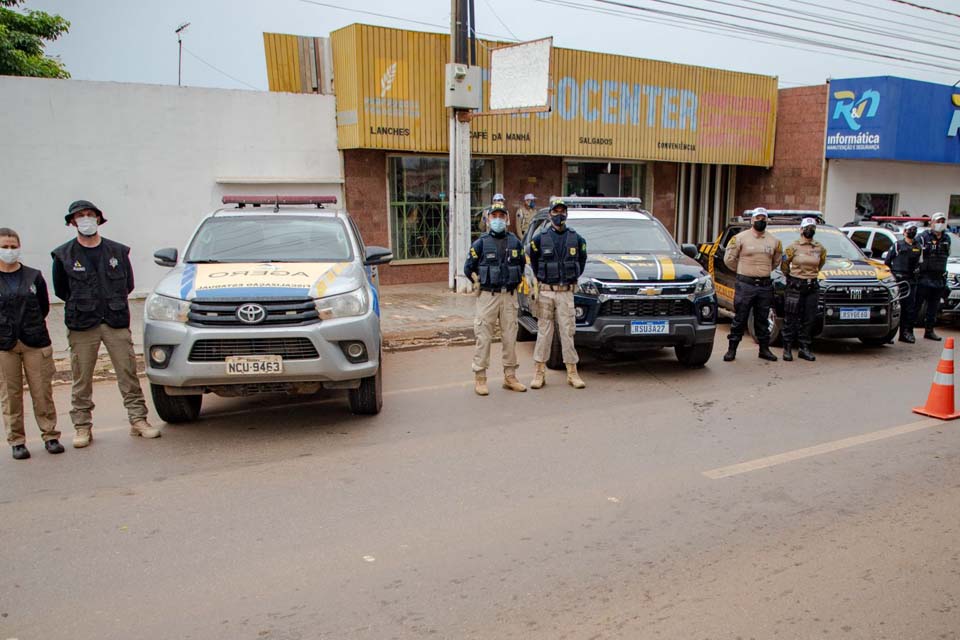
point(559, 204)
point(82, 205)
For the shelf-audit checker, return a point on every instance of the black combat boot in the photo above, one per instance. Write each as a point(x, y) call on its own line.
point(788, 352)
point(930, 334)
point(805, 353)
point(20, 452)
point(731, 353)
point(766, 354)
point(906, 335)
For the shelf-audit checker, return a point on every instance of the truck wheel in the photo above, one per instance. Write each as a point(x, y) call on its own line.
point(694, 357)
point(555, 361)
point(776, 324)
point(175, 409)
point(367, 399)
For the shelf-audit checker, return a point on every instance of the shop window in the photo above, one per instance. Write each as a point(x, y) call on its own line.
point(954, 208)
point(868, 205)
point(610, 179)
point(419, 203)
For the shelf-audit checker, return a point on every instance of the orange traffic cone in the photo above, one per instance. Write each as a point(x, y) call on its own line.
point(940, 401)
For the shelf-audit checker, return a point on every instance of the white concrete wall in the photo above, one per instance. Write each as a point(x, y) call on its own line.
point(154, 158)
point(923, 188)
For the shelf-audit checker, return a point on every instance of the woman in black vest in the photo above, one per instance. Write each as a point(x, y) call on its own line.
point(25, 348)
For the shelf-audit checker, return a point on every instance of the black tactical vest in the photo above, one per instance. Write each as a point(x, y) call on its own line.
point(497, 271)
point(97, 293)
point(20, 315)
point(559, 257)
point(906, 259)
point(935, 254)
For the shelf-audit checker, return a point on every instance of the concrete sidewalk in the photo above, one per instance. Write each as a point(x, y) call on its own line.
point(412, 316)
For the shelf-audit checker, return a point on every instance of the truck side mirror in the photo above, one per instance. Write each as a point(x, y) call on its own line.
point(690, 250)
point(166, 257)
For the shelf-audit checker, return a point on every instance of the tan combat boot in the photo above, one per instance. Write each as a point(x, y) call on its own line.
point(82, 438)
point(574, 379)
point(480, 383)
point(539, 375)
point(144, 429)
point(510, 381)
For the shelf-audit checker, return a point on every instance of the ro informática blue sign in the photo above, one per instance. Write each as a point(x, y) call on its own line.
point(888, 118)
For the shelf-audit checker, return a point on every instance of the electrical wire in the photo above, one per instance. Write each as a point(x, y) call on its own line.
point(885, 21)
point(221, 71)
point(925, 8)
point(500, 20)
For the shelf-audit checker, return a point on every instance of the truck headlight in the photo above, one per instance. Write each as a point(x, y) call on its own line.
point(588, 288)
point(704, 285)
point(345, 305)
point(164, 309)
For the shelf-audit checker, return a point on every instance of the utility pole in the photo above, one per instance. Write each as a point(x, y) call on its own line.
point(459, 188)
point(179, 31)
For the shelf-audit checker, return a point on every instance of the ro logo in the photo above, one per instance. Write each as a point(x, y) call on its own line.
point(853, 110)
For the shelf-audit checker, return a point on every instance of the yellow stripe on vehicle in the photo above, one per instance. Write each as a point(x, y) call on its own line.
point(669, 269)
point(622, 272)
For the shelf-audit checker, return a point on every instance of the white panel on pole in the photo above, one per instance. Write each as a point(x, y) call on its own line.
point(520, 76)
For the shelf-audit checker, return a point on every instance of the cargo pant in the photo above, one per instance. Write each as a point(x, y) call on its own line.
point(84, 346)
point(38, 366)
point(800, 311)
point(755, 294)
point(494, 307)
point(929, 290)
point(555, 306)
point(908, 304)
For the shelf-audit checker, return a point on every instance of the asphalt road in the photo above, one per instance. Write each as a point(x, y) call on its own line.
point(613, 512)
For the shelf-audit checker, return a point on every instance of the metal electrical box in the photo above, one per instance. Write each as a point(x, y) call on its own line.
point(464, 89)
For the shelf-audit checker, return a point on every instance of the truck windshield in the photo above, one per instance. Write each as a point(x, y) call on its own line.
point(836, 243)
point(609, 235)
point(270, 238)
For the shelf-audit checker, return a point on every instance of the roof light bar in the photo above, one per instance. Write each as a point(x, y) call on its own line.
point(278, 200)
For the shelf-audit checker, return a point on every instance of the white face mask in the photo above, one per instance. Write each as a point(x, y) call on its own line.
point(939, 226)
point(10, 256)
point(87, 226)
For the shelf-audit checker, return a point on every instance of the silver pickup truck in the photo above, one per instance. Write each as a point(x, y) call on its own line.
point(271, 295)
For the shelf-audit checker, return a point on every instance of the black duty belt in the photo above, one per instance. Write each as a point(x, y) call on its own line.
point(760, 282)
point(804, 282)
point(557, 287)
point(501, 290)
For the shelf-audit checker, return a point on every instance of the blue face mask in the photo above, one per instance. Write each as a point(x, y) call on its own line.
point(498, 225)
point(558, 219)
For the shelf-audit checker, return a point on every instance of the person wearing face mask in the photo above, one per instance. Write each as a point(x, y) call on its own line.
point(25, 348)
point(903, 260)
point(495, 263)
point(499, 202)
point(94, 278)
point(802, 262)
point(935, 250)
point(525, 214)
point(753, 254)
point(557, 256)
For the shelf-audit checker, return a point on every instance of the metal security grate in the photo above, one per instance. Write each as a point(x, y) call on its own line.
point(287, 348)
point(646, 308)
point(212, 313)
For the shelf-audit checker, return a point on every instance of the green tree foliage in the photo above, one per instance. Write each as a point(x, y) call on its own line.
point(22, 37)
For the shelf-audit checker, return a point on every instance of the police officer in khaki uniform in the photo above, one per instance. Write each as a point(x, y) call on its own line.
point(94, 278)
point(495, 263)
point(753, 254)
point(557, 256)
point(802, 262)
point(25, 349)
point(525, 214)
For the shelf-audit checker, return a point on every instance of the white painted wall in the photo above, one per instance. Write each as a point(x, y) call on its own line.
point(923, 188)
point(154, 158)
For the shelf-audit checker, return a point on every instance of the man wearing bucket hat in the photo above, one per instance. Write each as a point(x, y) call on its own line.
point(935, 251)
point(753, 254)
point(802, 262)
point(94, 278)
point(525, 213)
point(903, 259)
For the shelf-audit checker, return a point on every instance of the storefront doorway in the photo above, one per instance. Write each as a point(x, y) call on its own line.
point(610, 179)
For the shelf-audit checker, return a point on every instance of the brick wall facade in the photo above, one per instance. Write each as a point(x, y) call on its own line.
point(539, 175)
point(796, 179)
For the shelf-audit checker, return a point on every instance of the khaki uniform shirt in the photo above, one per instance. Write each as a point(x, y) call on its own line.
point(751, 256)
point(804, 258)
point(523, 218)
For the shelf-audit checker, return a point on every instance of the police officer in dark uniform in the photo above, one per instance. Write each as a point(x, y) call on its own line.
point(935, 250)
point(558, 255)
point(903, 259)
point(495, 263)
point(93, 276)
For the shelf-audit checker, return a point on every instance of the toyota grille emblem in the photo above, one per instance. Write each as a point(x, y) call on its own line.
point(251, 313)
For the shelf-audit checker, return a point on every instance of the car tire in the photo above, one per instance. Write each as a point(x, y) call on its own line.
point(175, 409)
point(555, 360)
point(367, 399)
point(695, 356)
point(522, 334)
point(776, 326)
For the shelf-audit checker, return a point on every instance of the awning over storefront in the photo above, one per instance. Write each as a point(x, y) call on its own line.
point(389, 88)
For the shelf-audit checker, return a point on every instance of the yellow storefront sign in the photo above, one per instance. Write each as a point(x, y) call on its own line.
point(389, 86)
